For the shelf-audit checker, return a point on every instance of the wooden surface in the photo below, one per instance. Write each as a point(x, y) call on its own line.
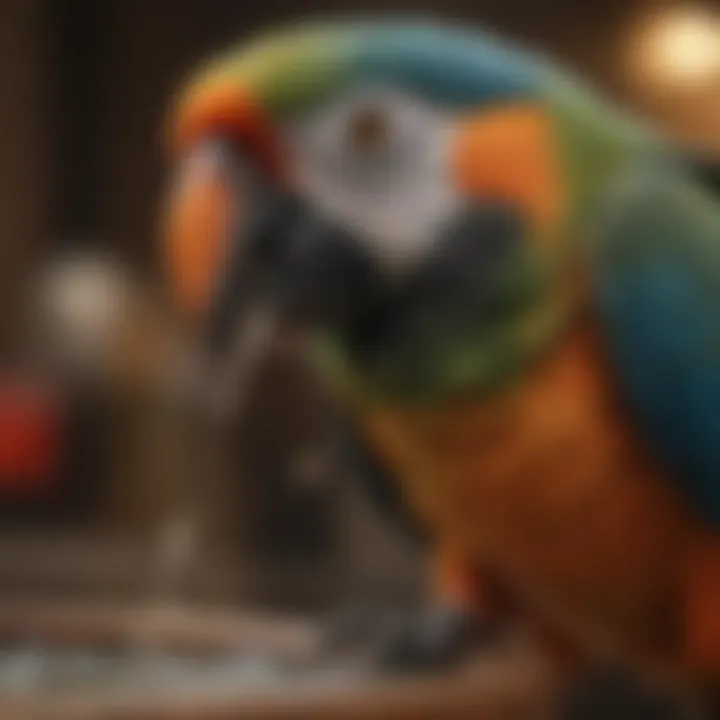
point(173, 628)
point(500, 692)
point(506, 685)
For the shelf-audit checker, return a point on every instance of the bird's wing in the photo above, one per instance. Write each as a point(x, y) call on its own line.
point(656, 270)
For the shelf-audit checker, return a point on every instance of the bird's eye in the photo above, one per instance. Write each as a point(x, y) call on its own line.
point(372, 150)
point(368, 132)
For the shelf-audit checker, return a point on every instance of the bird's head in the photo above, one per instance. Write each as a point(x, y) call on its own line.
point(395, 188)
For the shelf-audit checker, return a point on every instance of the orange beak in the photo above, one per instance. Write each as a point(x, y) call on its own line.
point(201, 219)
point(200, 214)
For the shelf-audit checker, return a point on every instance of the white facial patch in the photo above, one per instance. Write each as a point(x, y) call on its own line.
point(390, 185)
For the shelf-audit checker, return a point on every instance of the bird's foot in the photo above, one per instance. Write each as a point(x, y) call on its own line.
point(439, 638)
point(430, 640)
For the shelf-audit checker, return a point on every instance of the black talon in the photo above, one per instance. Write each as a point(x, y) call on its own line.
point(439, 639)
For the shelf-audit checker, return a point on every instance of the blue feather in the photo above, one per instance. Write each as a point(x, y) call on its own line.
point(447, 66)
point(658, 273)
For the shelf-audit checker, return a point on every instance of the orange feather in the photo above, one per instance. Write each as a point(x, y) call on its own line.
point(509, 154)
point(548, 485)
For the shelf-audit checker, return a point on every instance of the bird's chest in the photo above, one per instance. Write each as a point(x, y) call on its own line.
point(547, 481)
point(533, 456)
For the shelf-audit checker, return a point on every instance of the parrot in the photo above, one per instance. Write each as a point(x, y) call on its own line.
point(510, 285)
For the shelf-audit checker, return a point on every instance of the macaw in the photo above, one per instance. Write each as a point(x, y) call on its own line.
point(513, 289)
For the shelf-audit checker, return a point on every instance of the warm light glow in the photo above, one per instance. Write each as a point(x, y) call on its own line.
point(83, 301)
point(679, 47)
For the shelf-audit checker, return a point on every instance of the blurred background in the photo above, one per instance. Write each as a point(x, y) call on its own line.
point(98, 496)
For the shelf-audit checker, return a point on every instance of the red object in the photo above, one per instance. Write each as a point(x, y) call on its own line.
point(30, 438)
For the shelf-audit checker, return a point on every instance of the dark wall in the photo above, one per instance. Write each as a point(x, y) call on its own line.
point(23, 148)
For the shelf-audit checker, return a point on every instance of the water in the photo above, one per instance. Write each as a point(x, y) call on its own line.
point(33, 670)
point(229, 387)
point(146, 664)
point(171, 563)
